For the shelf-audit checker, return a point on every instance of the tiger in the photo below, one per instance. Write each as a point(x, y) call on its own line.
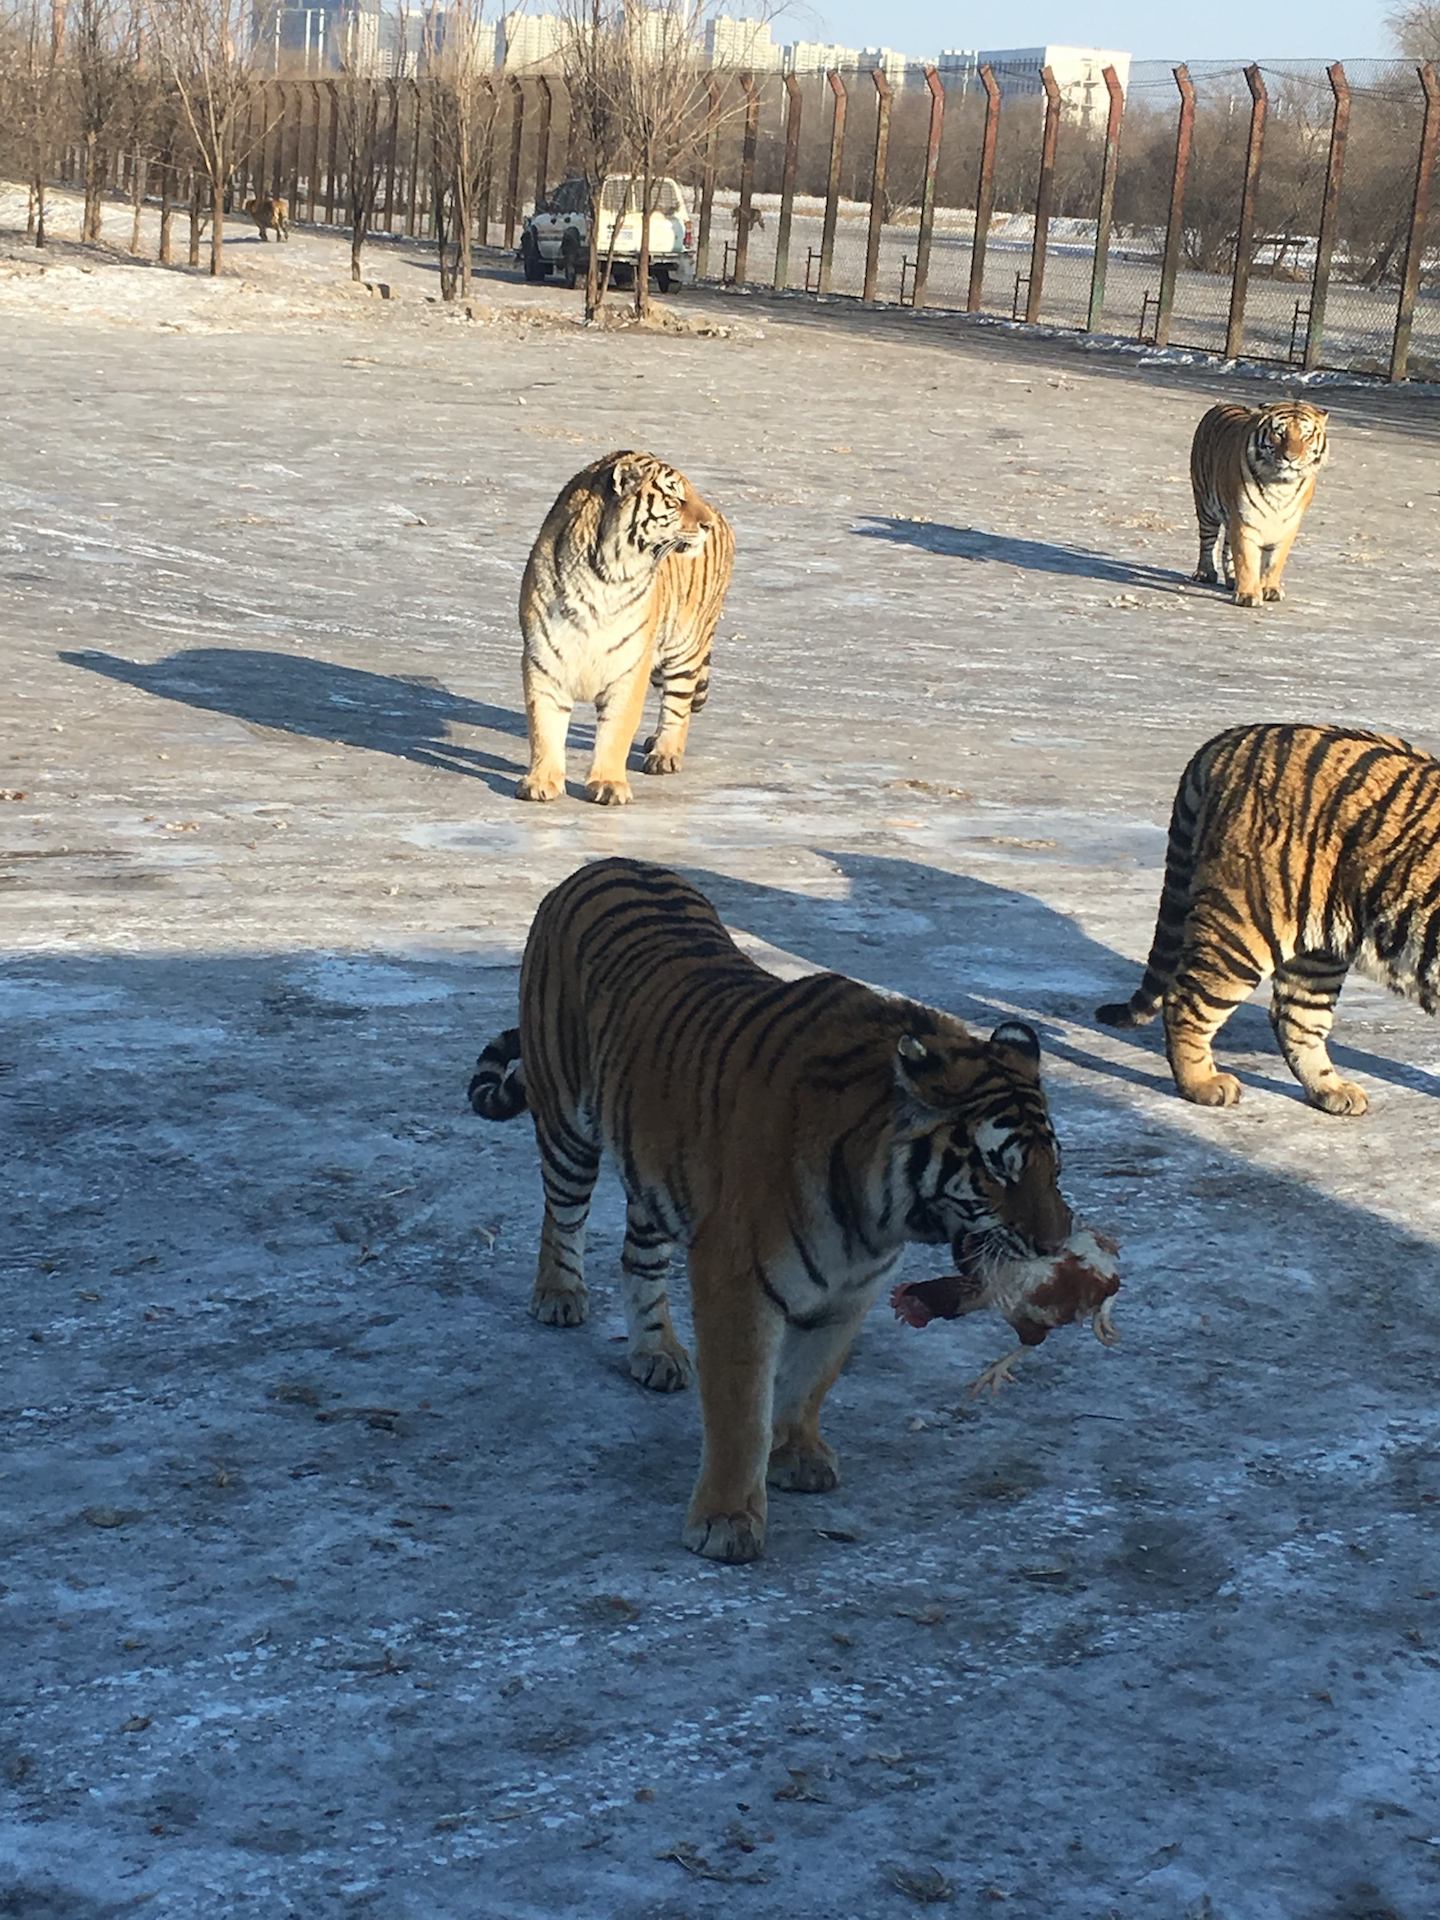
point(1295, 852)
point(1253, 472)
point(754, 219)
point(792, 1135)
point(625, 583)
point(269, 210)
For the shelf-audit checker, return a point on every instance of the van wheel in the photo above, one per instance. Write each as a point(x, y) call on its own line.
point(662, 279)
point(570, 259)
point(535, 267)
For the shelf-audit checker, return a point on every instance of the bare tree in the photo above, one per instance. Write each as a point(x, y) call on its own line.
point(205, 47)
point(32, 93)
point(464, 108)
point(643, 95)
point(367, 109)
point(1415, 29)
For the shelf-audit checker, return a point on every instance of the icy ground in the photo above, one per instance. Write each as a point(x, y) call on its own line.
point(332, 1586)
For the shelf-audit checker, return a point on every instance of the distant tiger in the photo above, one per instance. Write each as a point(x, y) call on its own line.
point(754, 220)
point(625, 583)
point(1295, 852)
point(269, 210)
point(1253, 472)
point(791, 1134)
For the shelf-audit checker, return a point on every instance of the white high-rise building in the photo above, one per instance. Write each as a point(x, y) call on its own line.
point(896, 67)
point(745, 44)
point(819, 56)
point(1079, 74)
point(530, 39)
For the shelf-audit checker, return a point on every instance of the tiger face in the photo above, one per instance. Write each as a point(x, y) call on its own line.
point(660, 512)
point(990, 1176)
point(1289, 440)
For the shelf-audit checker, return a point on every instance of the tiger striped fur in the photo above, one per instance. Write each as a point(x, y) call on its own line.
point(1253, 472)
point(1295, 852)
point(269, 210)
point(625, 583)
point(793, 1135)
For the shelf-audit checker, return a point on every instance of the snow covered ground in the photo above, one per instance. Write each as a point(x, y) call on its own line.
point(332, 1585)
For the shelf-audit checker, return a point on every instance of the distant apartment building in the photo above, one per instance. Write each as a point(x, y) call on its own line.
point(896, 67)
point(741, 43)
point(1079, 74)
point(818, 56)
point(530, 40)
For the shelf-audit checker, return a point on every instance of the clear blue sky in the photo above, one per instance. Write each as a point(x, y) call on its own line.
point(1262, 29)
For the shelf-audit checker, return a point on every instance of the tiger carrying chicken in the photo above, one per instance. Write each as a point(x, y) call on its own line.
point(791, 1135)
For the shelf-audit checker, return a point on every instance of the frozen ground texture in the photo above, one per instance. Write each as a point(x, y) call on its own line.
point(333, 1586)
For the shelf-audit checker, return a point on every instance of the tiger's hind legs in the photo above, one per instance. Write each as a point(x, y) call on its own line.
point(569, 1167)
point(1210, 982)
point(1302, 1010)
point(810, 1363)
point(681, 697)
point(657, 1358)
point(738, 1346)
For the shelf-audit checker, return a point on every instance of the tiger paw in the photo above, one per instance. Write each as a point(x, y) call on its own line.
point(732, 1537)
point(1247, 599)
point(1273, 593)
point(541, 786)
point(1338, 1096)
point(1206, 577)
point(559, 1306)
point(609, 793)
point(1220, 1090)
point(812, 1469)
point(661, 1369)
point(661, 759)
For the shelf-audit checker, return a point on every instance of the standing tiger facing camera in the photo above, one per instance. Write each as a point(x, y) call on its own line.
point(624, 585)
point(793, 1135)
point(1253, 471)
point(1295, 852)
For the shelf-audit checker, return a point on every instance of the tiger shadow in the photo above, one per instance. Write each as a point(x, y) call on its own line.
point(1031, 556)
point(991, 953)
point(409, 716)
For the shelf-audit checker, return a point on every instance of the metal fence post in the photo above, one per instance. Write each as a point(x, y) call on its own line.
point(747, 176)
point(412, 191)
point(1044, 193)
point(512, 176)
point(838, 104)
point(1419, 218)
point(707, 179)
point(877, 181)
point(542, 147)
point(984, 190)
point(330, 153)
point(312, 169)
point(927, 193)
point(794, 102)
point(1174, 224)
point(1245, 230)
point(1329, 215)
point(1106, 212)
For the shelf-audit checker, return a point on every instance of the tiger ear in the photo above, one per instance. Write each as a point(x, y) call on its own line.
point(626, 475)
point(1019, 1038)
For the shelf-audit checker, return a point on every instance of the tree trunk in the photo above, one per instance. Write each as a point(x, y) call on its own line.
point(39, 212)
point(642, 269)
point(167, 209)
point(357, 242)
point(30, 211)
point(138, 185)
point(94, 162)
point(217, 231)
